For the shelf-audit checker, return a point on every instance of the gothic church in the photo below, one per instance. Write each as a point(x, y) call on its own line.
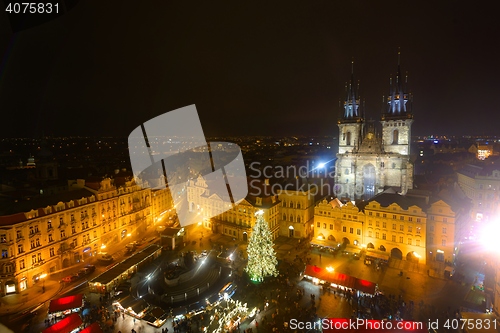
point(371, 159)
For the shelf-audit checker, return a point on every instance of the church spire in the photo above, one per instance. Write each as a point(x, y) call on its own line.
point(398, 98)
point(352, 102)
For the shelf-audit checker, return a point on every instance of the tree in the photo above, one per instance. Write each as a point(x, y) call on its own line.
point(262, 260)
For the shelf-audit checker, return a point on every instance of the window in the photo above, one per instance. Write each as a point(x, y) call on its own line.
point(393, 217)
point(417, 242)
point(324, 225)
point(21, 264)
point(377, 214)
point(401, 239)
point(443, 242)
point(445, 220)
point(402, 218)
point(5, 254)
point(20, 249)
point(73, 229)
point(358, 232)
point(369, 233)
point(37, 242)
point(410, 219)
point(344, 229)
point(444, 230)
point(384, 225)
point(370, 213)
point(51, 239)
point(431, 239)
point(284, 217)
point(351, 230)
point(384, 215)
point(19, 234)
point(419, 220)
point(63, 234)
point(409, 241)
point(393, 238)
point(383, 236)
point(394, 226)
point(395, 137)
point(377, 224)
point(49, 224)
point(318, 224)
point(432, 217)
point(401, 227)
point(33, 259)
point(431, 228)
point(39, 257)
point(370, 222)
point(51, 251)
point(418, 230)
point(410, 228)
point(376, 234)
point(32, 244)
point(331, 226)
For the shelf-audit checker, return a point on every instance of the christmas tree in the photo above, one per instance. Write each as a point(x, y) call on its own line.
point(262, 260)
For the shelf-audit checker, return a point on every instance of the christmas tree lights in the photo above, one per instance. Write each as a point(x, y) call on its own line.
point(262, 260)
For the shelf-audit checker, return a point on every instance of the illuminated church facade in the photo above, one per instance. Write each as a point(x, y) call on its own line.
point(371, 158)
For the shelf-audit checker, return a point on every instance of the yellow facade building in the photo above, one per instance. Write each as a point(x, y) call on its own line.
point(46, 234)
point(415, 228)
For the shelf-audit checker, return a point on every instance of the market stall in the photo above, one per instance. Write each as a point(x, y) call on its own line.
point(321, 275)
point(94, 328)
point(156, 317)
point(70, 324)
point(134, 307)
point(65, 305)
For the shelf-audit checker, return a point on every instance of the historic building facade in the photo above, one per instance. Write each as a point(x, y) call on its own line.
point(370, 159)
point(482, 186)
point(237, 220)
point(69, 228)
point(297, 213)
point(406, 227)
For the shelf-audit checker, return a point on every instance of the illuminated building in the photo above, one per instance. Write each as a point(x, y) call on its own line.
point(415, 227)
point(335, 223)
point(481, 184)
point(297, 213)
point(239, 219)
point(46, 234)
point(368, 159)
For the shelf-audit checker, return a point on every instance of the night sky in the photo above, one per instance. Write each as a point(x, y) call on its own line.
point(251, 68)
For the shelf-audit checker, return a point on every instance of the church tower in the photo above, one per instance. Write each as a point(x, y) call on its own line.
point(351, 122)
point(397, 119)
point(369, 160)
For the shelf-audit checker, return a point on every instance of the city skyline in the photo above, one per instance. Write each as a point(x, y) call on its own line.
point(282, 70)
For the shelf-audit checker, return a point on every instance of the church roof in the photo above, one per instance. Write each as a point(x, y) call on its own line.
point(385, 199)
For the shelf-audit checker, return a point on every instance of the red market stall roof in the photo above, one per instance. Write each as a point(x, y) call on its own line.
point(66, 303)
point(94, 328)
point(340, 279)
point(66, 325)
